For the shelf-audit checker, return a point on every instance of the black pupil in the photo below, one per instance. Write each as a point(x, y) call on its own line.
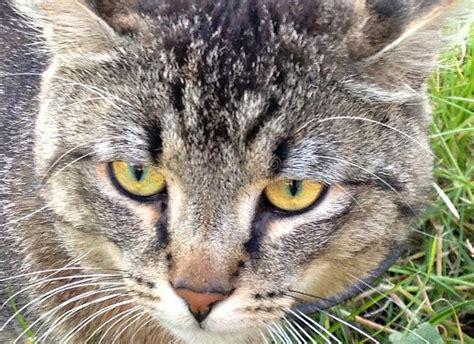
point(294, 187)
point(138, 171)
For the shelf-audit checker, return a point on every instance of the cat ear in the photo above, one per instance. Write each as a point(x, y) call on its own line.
point(72, 30)
point(394, 43)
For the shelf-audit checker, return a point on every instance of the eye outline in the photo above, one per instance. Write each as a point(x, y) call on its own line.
point(270, 207)
point(160, 196)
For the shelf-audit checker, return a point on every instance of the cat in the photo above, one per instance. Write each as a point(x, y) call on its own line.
point(201, 170)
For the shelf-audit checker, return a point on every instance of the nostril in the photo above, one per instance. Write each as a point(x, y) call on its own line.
point(200, 304)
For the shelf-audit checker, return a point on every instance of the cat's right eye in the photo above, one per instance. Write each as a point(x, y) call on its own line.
point(137, 180)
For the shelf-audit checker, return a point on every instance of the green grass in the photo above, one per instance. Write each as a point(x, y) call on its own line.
point(431, 290)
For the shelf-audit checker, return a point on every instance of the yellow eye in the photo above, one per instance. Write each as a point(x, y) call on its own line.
point(293, 195)
point(137, 180)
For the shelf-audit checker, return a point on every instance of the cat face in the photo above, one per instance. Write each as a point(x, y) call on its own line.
point(235, 162)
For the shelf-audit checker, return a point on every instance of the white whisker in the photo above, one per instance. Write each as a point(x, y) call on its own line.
point(121, 316)
point(58, 160)
point(140, 328)
point(294, 332)
point(311, 323)
point(424, 147)
point(103, 325)
point(264, 337)
point(63, 304)
point(272, 333)
point(109, 97)
point(54, 271)
point(389, 300)
point(26, 216)
point(303, 331)
point(48, 295)
point(84, 323)
point(369, 172)
point(365, 334)
point(282, 332)
point(62, 169)
point(49, 280)
point(133, 320)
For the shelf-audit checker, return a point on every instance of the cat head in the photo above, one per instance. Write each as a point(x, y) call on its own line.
point(236, 159)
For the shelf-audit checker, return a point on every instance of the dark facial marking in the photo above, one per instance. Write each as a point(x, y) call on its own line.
point(381, 179)
point(259, 226)
point(162, 237)
point(178, 94)
point(279, 156)
point(272, 108)
point(155, 141)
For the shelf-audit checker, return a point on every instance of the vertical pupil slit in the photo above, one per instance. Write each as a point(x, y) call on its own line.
point(294, 187)
point(138, 172)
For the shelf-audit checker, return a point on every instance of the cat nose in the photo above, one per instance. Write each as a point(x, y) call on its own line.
point(200, 304)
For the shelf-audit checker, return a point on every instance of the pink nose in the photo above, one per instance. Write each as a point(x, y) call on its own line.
point(200, 304)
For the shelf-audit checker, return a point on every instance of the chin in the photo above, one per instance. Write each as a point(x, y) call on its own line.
point(203, 336)
point(214, 331)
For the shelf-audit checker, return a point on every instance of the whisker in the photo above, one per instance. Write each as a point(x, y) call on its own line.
point(302, 330)
point(96, 331)
point(62, 169)
point(65, 154)
point(424, 147)
point(136, 318)
point(121, 316)
point(107, 96)
point(390, 186)
point(389, 300)
point(79, 102)
point(140, 328)
point(26, 216)
point(272, 333)
point(365, 334)
point(54, 271)
point(45, 281)
point(46, 296)
point(264, 337)
point(339, 319)
point(294, 332)
point(84, 323)
point(63, 304)
point(282, 332)
point(309, 295)
point(311, 323)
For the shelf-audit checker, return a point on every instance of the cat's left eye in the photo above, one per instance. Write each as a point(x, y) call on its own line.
point(137, 180)
point(293, 195)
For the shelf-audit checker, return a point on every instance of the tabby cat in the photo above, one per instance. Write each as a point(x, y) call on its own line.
point(204, 171)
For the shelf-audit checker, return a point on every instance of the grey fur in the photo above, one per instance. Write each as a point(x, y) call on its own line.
point(214, 92)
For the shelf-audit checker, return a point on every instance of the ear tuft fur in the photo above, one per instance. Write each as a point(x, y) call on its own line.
point(396, 43)
point(72, 31)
